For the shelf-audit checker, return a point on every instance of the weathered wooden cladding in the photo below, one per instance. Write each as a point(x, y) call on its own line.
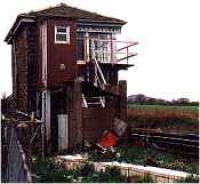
point(58, 54)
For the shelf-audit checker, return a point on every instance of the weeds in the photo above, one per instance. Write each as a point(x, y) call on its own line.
point(189, 179)
point(147, 156)
point(48, 171)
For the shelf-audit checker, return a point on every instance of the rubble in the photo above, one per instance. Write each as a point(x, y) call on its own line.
point(111, 137)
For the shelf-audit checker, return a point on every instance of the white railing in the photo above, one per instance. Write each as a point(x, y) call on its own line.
point(96, 100)
point(106, 50)
point(99, 75)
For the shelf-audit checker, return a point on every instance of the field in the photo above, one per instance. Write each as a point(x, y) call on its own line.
point(194, 109)
point(167, 118)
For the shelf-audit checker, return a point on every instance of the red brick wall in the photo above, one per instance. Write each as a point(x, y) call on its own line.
point(33, 60)
point(98, 119)
point(22, 71)
point(26, 54)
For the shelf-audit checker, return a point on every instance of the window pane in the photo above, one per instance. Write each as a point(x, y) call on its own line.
point(61, 29)
point(61, 37)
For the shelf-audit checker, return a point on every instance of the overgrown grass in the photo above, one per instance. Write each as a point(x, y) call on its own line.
point(147, 156)
point(171, 119)
point(48, 171)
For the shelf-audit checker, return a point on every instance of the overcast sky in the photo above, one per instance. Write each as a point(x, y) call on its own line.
point(167, 65)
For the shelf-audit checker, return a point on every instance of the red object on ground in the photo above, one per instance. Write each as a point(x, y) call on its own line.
point(108, 140)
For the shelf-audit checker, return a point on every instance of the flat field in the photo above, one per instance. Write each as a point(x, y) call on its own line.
point(168, 118)
point(180, 108)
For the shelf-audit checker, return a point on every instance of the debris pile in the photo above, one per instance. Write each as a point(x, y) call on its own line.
point(111, 137)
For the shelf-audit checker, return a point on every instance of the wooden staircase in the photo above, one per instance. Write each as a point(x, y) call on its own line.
point(94, 75)
point(95, 97)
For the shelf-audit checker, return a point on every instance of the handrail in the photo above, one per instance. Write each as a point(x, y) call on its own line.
point(133, 44)
point(106, 50)
point(84, 102)
point(126, 57)
point(100, 71)
point(98, 81)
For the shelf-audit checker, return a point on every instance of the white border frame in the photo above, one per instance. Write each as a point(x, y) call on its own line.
point(67, 28)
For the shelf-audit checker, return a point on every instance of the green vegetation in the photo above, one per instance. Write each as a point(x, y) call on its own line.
point(181, 108)
point(147, 156)
point(189, 179)
point(48, 171)
point(168, 118)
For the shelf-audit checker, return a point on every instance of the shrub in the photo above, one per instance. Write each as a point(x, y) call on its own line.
point(189, 179)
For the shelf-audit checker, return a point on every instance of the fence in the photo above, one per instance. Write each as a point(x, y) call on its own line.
point(17, 169)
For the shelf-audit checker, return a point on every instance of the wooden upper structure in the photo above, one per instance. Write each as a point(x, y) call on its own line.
point(66, 61)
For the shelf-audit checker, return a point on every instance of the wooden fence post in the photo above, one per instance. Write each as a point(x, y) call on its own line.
point(123, 100)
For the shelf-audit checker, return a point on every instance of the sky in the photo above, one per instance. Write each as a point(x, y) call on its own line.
point(168, 32)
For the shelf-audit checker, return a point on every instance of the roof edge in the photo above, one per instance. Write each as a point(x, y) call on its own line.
point(22, 18)
point(121, 22)
point(117, 20)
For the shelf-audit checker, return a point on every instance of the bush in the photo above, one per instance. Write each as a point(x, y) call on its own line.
point(47, 171)
point(189, 179)
point(111, 175)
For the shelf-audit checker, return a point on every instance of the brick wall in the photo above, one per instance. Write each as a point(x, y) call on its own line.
point(33, 56)
point(97, 119)
point(22, 71)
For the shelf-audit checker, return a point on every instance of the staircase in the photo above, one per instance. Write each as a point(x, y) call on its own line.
point(99, 77)
point(93, 101)
point(92, 94)
point(96, 92)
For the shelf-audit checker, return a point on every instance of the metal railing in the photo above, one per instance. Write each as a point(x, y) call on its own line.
point(105, 50)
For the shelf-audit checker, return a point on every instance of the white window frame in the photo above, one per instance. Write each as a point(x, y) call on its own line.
point(67, 33)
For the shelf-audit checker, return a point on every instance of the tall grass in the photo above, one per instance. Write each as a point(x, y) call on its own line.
point(162, 117)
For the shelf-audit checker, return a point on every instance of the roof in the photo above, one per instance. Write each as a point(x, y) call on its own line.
point(65, 11)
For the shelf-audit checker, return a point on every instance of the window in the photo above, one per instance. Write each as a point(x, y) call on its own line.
point(62, 34)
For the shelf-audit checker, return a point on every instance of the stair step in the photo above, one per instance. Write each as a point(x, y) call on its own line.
point(94, 103)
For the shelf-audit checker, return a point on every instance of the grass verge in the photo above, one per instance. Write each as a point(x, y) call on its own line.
point(146, 156)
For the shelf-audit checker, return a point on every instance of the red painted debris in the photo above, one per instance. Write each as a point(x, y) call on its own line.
point(108, 140)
